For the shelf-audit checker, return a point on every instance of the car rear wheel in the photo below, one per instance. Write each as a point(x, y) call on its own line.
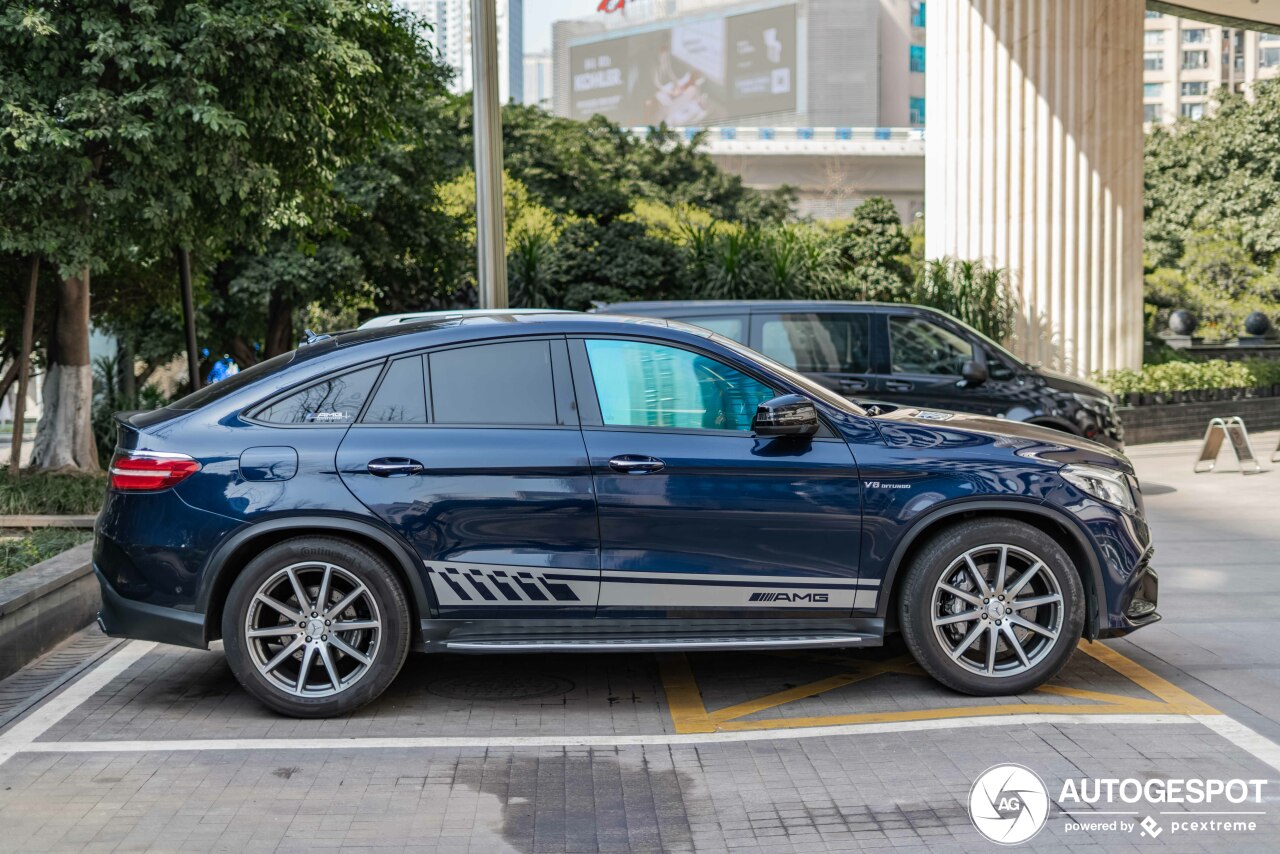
point(992, 607)
point(315, 627)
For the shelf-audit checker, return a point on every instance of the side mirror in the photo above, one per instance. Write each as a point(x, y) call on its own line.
point(974, 373)
point(789, 415)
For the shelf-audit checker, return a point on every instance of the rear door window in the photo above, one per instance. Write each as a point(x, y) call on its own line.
point(336, 400)
point(818, 343)
point(401, 397)
point(496, 384)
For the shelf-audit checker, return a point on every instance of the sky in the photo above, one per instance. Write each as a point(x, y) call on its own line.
point(538, 15)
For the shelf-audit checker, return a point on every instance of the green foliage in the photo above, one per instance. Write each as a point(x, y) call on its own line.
point(17, 552)
point(791, 261)
point(58, 493)
point(969, 291)
point(1212, 213)
point(1216, 279)
point(875, 252)
point(1188, 375)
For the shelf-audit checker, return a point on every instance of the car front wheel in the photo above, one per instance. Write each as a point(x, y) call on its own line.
point(316, 627)
point(992, 607)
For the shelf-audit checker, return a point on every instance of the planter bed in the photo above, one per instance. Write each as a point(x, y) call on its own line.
point(1158, 418)
point(43, 605)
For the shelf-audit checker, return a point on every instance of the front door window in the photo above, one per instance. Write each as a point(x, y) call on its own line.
point(919, 346)
point(641, 384)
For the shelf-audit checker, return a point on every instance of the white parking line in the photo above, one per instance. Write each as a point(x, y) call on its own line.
point(22, 737)
point(401, 743)
point(1258, 746)
point(16, 738)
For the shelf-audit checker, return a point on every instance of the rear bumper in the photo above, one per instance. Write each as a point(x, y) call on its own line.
point(127, 618)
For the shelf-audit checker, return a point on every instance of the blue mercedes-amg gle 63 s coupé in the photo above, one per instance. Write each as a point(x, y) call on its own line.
point(519, 482)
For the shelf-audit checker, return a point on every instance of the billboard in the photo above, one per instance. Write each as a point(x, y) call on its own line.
point(690, 72)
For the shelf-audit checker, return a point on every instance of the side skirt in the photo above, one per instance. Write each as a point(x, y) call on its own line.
point(480, 636)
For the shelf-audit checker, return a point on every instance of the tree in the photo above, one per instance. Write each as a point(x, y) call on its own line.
point(1221, 172)
point(874, 251)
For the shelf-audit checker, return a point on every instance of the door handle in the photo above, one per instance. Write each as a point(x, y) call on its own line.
point(898, 385)
point(636, 464)
point(394, 467)
point(853, 385)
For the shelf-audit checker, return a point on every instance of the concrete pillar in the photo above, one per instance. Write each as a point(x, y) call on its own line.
point(1034, 163)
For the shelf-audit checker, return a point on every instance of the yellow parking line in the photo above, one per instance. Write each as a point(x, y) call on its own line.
point(684, 697)
point(1148, 681)
point(938, 714)
point(790, 695)
point(689, 712)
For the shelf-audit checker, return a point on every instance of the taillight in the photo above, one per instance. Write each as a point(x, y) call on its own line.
point(141, 471)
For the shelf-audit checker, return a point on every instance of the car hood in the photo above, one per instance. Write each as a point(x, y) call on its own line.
point(1073, 385)
point(932, 428)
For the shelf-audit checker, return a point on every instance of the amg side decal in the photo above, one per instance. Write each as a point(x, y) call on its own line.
point(490, 585)
point(784, 596)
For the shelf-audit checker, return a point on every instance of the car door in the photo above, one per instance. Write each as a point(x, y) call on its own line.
point(831, 347)
point(699, 517)
point(926, 365)
point(473, 454)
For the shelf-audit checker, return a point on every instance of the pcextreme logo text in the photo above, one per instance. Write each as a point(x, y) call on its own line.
point(1009, 804)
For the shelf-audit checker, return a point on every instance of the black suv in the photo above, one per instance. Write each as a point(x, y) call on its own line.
point(903, 355)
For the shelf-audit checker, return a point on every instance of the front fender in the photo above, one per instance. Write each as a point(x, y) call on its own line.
point(938, 516)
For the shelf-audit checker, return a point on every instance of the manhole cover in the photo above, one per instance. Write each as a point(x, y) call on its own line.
point(500, 686)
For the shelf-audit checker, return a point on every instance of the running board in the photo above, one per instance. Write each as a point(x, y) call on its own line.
point(641, 644)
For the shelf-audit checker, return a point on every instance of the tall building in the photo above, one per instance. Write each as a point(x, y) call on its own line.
point(538, 79)
point(746, 63)
point(451, 21)
point(1185, 61)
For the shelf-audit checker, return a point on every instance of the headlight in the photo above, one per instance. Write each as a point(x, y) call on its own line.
point(1103, 484)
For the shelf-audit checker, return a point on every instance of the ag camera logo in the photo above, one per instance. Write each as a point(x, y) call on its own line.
point(1008, 804)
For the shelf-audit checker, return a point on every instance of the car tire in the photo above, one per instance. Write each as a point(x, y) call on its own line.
point(325, 659)
point(964, 634)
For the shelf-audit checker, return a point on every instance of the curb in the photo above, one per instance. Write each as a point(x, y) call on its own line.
point(47, 521)
point(45, 604)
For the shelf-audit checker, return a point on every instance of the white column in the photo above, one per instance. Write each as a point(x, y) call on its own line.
point(1034, 163)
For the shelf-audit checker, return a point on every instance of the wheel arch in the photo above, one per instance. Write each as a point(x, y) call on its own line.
point(1057, 524)
point(232, 555)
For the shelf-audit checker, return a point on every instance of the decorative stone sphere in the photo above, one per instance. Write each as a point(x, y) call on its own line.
point(1183, 322)
point(1257, 323)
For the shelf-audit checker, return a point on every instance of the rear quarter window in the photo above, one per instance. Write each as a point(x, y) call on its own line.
point(335, 400)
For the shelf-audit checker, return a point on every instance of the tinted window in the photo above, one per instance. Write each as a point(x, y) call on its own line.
point(837, 343)
point(402, 397)
point(640, 384)
point(919, 346)
point(507, 383)
point(729, 327)
point(333, 401)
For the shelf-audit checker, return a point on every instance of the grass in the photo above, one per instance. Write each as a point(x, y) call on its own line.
point(57, 493)
point(21, 549)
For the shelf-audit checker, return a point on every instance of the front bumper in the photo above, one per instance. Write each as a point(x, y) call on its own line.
point(128, 618)
point(1136, 606)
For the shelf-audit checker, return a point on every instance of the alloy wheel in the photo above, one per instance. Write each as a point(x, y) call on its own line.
point(997, 610)
point(313, 629)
